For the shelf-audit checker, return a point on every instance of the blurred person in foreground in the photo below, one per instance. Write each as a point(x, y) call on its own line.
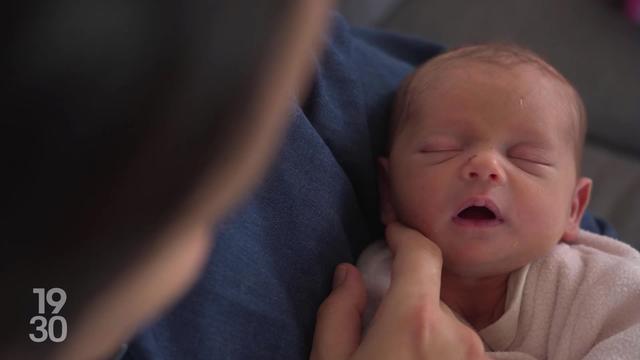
point(129, 131)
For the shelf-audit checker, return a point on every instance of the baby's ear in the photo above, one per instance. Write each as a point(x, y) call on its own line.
point(387, 214)
point(579, 202)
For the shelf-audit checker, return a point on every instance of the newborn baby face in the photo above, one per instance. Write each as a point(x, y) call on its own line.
point(484, 165)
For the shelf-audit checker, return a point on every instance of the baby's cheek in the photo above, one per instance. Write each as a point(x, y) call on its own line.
point(424, 217)
point(419, 201)
point(547, 220)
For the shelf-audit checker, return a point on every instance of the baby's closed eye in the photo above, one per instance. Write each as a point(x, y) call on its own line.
point(432, 149)
point(531, 157)
point(440, 144)
point(437, 155)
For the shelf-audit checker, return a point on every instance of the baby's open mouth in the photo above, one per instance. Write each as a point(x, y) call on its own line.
point(477, 213)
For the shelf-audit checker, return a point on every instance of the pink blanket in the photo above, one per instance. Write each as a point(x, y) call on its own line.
point(582, 301)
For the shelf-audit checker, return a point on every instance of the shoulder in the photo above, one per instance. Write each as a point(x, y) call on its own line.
point(595, 256)
point(600, 244)
point(584, 293)
point(595, 275)
point(599, 275)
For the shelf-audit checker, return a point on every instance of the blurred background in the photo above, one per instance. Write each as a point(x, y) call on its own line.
point(594, 43)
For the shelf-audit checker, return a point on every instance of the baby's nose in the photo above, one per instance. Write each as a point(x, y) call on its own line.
point(484, 167)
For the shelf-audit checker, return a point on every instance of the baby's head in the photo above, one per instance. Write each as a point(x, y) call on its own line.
point(484, 158)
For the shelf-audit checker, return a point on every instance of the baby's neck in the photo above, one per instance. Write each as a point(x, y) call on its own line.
point(479, 301)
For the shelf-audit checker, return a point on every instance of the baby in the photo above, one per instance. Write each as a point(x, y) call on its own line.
point(484, 160)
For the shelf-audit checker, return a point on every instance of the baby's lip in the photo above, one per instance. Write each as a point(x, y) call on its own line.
point(480, 201)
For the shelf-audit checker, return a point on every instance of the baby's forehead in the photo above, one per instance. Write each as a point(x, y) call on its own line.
point(458, 72)
point(467, 80)
point(440, 87)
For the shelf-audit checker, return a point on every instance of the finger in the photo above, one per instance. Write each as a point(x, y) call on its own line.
point(417, 264)
point(338, 326)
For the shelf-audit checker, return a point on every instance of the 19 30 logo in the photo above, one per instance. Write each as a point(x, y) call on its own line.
point(54, 327)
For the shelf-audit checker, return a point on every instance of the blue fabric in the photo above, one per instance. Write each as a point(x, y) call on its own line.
point(598, 226)
point(274, 258)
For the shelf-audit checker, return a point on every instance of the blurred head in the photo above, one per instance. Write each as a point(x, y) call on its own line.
point(484, 158)
point(130, 130)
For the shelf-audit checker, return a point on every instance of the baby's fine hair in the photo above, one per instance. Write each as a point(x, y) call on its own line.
point(501, 54)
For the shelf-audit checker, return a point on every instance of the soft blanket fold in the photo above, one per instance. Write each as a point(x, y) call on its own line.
point(581, 301)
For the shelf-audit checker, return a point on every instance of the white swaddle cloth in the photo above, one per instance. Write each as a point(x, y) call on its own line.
point(581, 301)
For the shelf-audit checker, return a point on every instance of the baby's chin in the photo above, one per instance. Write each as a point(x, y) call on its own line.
point(475, 267)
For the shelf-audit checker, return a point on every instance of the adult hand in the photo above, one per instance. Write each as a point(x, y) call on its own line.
point(411, 322)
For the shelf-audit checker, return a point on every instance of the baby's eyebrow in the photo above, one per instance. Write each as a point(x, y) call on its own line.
point(440, 139)
point(440, 135)
point(537, 144)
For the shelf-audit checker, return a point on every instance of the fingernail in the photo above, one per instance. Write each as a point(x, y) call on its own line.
point(339, 276)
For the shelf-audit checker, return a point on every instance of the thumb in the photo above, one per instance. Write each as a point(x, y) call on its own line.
point(338, 326)
point(417, 264)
